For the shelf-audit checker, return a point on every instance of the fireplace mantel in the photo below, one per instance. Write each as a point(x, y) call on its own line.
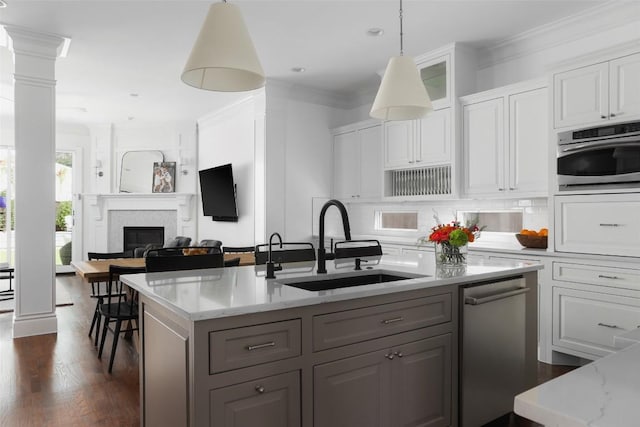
point(98, 235)
point(181, 202)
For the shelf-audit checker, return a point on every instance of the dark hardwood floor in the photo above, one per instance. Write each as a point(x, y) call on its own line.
point(57, 380)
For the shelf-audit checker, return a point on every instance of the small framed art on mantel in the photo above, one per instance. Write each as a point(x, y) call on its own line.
point(164, 177)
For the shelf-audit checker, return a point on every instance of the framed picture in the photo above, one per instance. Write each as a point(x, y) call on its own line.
point(164, 177)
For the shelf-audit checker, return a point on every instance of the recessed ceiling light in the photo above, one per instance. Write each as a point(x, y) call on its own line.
point(3, 4)
point(375, 32)
point(298, 69)
point(134, 95)
point(130, 118)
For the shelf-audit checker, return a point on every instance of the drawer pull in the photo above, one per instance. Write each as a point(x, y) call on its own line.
point(604, 276)
point(259, 346)
point(260, 389)
point(606, 325)
point(394, 320)
point(610, 225)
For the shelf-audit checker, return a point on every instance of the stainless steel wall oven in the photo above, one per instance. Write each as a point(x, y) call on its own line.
point(599, 158)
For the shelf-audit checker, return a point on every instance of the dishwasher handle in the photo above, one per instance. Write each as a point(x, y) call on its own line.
point(478, 301)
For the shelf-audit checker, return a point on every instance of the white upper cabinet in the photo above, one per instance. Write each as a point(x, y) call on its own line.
point(505, 142)
point(434, 141)
point(624, 77)
point(399, 141)
point(418, 143)
point(483, 146)
point(358, 162)
point(597, 93)
point(528, 161)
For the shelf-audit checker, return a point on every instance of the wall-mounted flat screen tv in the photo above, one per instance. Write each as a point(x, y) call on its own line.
point(218, 193)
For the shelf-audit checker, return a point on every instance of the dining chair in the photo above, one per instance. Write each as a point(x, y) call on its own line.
point(183, 262)
point(96, 292)
point(117, 308)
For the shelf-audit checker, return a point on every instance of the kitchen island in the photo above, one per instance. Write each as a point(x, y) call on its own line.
point(227, 347)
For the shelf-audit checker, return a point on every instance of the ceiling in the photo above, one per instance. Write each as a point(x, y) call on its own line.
point(119, 48)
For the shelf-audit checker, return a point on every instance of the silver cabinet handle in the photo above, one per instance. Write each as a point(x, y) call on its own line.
point(606, 325)
point(610, 225)
point(260, 389)
point(394, 320)
point(418, 161)
point(410, 161)
point(500, 189)
point(612, 115)
point(604, 276)
point(478, 301)
point(259, 346)
point(603, 117)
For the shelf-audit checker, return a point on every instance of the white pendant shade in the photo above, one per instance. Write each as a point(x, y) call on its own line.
point(223, 57)
point(402, 95)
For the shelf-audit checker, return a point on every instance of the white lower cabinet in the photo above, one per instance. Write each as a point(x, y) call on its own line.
point(585, 323)
point(605, 224)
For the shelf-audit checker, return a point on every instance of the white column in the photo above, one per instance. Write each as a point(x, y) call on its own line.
point(34, 57)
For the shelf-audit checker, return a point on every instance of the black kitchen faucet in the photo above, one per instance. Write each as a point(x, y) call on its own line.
point(322, 253)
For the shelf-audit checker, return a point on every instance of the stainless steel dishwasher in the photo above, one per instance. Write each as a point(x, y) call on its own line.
point(498, 354)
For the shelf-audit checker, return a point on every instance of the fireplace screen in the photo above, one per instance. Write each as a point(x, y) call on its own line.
point(139, 237)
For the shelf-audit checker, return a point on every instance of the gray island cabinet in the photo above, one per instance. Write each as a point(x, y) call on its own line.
point(227, 347)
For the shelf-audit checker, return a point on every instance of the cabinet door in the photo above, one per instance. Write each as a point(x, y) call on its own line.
point(346, 152)
point(483, 147)
point(434, 138)
point(528, 142)
point(267, 402)
point(625, 86)
point(399, 137)
point(588, 322)
point(581, 96)
point(353, 392)
point(371, 162)
point(422, 378)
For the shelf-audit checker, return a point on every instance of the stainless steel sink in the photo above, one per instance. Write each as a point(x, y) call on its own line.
point(328, 282)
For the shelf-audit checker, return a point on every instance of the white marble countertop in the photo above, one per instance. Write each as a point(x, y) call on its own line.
point(604, 393)
point(213, 293)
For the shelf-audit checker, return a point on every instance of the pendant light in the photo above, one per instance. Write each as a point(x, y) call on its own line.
point(402, 95)
point(223, 57)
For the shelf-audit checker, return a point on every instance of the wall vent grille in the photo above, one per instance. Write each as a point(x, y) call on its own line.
point(421, 182)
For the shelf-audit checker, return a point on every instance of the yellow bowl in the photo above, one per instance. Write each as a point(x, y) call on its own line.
point(537, 242)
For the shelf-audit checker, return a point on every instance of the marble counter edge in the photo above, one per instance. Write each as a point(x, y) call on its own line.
point(528, 405)
point(313, 297)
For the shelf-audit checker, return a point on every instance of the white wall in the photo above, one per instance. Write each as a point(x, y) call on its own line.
point(229, 136)
point(299, 159)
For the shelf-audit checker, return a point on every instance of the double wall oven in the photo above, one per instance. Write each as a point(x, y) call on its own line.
point(599, 158)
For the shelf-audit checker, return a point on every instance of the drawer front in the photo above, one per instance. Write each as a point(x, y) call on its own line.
point(351, 326)
point(597, 275)
point(265, 402)
point(606, 225)
point(252, 345)
point(589, 321)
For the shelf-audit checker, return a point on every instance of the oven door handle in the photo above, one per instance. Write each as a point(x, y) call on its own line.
point(597, 145)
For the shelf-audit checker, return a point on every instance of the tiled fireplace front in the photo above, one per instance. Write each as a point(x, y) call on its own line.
point(108, 214)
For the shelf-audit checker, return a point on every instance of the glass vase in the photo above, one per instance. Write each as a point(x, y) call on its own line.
point(448, 255)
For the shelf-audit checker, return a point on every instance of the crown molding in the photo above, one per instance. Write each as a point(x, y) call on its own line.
point(597, 19)
point(296, 92)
